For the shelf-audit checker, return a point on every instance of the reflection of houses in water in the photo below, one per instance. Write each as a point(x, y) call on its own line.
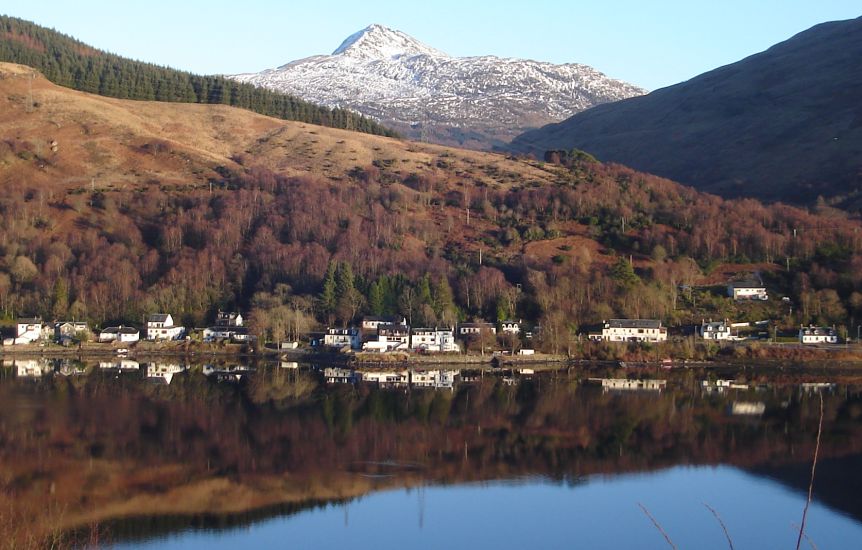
point(337, 375)
point(441, 379)
point(122, 365)
point(228, 373)
point(288, 364)
point(625, 384)
point(721, 386)
point(70, 368)
point(817, 387)
point(747, 408)
point(163, 373)
point(471, 376)
point(30, 368)
point(387, 379)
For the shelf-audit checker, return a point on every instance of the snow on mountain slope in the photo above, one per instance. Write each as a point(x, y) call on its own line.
point(426, 94)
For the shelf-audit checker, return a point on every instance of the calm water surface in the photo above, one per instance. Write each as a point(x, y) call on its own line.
point(597, 512)
point(167, 455)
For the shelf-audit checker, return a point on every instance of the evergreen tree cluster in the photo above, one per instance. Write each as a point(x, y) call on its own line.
point(426, 301)
point(68, 62)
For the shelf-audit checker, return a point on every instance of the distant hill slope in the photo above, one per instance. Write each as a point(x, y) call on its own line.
point(425, 94)
point(68, 62)
point(784, 124)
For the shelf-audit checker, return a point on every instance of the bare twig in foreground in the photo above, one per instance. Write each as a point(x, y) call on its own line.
point(657, 526)
point(807, 538)
point(811, 480)
point(720, 522)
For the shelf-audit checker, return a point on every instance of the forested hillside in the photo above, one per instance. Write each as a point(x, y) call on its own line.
point(112, 209)
point(68, 62)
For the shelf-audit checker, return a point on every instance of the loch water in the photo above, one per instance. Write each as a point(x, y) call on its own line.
point(122, 454)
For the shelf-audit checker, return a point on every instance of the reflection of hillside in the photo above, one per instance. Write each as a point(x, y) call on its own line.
point(838, 482)
point(93, 448)
point(147, 527)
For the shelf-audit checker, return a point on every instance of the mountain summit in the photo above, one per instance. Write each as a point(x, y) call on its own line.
point(379, 42)
point(425, 94)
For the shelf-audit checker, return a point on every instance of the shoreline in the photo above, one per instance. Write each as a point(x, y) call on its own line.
point(670, 356)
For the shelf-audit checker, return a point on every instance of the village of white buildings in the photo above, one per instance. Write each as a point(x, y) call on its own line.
point(393, 334)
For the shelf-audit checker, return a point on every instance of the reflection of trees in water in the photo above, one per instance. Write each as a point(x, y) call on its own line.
point(151, 526)
point(279, 423)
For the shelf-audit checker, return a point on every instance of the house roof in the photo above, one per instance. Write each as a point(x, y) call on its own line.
point(341, 331)
point(383, 318)
point(158, 318)
point(747, 284)
point(481, 324)
point(228, 316)
point(389, 327)
point(818, 331)
point(29, 320)
point(634, 323)
point(73, 323)
point(120, 330)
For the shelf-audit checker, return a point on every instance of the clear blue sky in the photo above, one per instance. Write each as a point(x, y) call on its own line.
point(651, 44)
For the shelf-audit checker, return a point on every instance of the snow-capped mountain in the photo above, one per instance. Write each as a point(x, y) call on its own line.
point(426, 94)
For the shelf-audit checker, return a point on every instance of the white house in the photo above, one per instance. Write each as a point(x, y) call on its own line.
point(28, 330)
point(510, 327)
point(633, 330)
point(66, 331)
point(370, 323)
point(747, 290)
point(817, 335)
point(120, 334)
point(718, 330)
point(433, 340)
point(389, 338)
point(229, 319)
point(160, 326)
point(470, 329)
point(225, 332)
point(342, 337)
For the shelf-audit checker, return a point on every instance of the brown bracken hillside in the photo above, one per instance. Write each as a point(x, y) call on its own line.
point(114, 208)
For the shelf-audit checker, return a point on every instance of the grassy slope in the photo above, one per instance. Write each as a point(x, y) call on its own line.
point(99, 136)
point(113, 144)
